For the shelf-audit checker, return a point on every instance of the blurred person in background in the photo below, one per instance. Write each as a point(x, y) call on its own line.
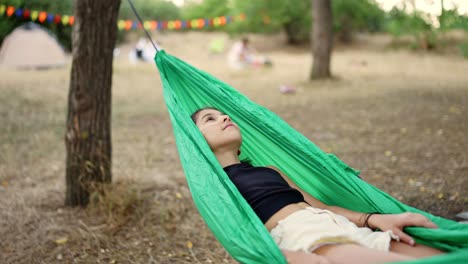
point(242, 54)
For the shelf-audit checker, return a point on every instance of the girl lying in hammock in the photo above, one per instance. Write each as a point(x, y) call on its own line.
point(305, 229)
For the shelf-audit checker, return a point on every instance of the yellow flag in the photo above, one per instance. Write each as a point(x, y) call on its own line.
point(34, 15)
point(194, 23)
point(170, 25)
point(121, 24)
point(216, 21)
point(65, 20)
point(147, 25)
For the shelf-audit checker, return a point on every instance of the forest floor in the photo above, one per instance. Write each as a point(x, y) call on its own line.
point(399, 116)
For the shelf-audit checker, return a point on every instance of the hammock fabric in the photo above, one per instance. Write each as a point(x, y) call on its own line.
point(268, 140)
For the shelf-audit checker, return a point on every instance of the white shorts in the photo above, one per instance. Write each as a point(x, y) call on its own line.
point(311, 228)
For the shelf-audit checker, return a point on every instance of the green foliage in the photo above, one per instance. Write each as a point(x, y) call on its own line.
point(62, 7)
point(400, 23)
point(352, 16)
point(451, 19)
point(298, 21)
point(425, 36)
point(150, 10)
point(463, 47)
point(295, 17)
point(266, 16)
point(206, 9)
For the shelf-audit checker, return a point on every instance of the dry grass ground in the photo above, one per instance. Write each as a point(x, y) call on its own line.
point(399, 117)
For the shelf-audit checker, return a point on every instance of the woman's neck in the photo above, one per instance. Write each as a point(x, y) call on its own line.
point(227, 158)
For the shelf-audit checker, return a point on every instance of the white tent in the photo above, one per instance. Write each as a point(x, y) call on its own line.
point(30, 46)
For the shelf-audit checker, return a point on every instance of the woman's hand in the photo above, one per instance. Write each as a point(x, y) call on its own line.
point(300, 257)
point(396, 223)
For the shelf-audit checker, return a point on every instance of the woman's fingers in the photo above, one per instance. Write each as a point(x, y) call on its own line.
point(428, 223)
point(404, 237)
point(412, 219)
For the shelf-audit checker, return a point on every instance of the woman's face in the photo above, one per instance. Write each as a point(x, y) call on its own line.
point(218, 129)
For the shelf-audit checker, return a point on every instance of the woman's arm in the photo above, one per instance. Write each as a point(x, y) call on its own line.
point(384, 222)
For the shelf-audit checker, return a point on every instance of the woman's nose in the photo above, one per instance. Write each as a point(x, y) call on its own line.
point(226, 118)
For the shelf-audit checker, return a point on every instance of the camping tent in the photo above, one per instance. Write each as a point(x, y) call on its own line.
point(30, 46)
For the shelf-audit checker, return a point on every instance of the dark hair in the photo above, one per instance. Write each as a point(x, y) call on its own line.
point(194, 116)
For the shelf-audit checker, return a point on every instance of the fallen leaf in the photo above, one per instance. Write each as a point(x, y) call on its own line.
point(61, 241)
point(388, 153)
point(178, 195)
point(189, 244)
point(455, 110)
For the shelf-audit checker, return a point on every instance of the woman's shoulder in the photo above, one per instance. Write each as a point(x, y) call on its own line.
point(273, 168)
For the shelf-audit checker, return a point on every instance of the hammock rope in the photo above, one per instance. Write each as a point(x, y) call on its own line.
point(142, 25)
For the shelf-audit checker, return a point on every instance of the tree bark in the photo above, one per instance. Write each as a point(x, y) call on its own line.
point(322, 38)
point(88, 128)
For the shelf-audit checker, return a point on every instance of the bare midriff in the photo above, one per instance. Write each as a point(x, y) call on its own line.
point(283, 213)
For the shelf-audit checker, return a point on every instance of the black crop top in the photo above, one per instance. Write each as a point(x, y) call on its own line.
point(263, 188)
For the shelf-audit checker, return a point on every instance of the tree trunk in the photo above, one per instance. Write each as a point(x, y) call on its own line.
point(322, 38)
point(88, 131)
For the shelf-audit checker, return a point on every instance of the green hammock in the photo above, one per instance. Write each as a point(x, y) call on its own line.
point(268, 140)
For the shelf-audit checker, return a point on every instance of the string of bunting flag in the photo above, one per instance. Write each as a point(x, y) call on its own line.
point(39, 16)
point(66, 20)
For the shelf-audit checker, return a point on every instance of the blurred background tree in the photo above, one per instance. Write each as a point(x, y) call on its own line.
point(322, 34)
point(269, 16)
point(400, 23)
point(295, 19)
point(354, 16)
point(451, 19)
